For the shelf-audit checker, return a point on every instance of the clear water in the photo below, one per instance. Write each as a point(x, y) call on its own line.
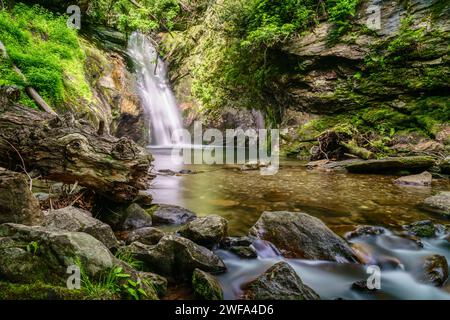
point(154, 90)
point(342, 201)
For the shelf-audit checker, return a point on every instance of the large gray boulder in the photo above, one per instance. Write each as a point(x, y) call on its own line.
point(173, 215)
point(439, 203)
point(17, 202)
point(206, 231)
point(279, 282)
point(299, 235)
point(175, 257)
point(29, 254)
point(78, 220)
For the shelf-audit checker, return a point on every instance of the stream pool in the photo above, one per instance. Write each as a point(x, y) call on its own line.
point(341, 200)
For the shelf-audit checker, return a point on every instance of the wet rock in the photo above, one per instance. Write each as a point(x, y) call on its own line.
point(279, 282)
point(229, 242)
point(78, 220)
point(17, 202)
point(175, 257)
point(143, 199)
point(439, 203)
point(207, 231)
point(206, 286)
point(423, 229)
point(423, 179)
point(136, 218)
point(435, 270)
point(387, 165)
point(148, 235)
point(365, 231)
point(174, 215)
point(244, 252)
point(299, 235)
point(445, 165)
point(29, 254)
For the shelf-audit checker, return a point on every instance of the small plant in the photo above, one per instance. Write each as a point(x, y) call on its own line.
point(33, 247)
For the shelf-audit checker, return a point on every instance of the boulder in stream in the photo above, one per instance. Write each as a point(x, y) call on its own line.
point(206, 231)
point(29, 254)
point(148, 235)
point(299, 235)
point(78, 220)
point(439, 203)
point(206, 286)
point(172, 215)
point(136, 218)
point(175, 257)
point(279, 282)
point(422, 229)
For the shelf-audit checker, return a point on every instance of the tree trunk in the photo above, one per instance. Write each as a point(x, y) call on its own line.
point(63, 149)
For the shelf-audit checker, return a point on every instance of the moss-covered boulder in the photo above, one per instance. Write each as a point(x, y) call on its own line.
point(175, 257)
point(135, 218)
point(299, 235)
point(28, 253)
point(38, 291)
point(279, 282)
point(390, 165)
point(206, 231)
point(206, 286)
point(423, 229)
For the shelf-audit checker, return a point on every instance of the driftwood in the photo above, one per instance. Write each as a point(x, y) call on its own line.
point(353, 148)
point(66, 150)
point(32, 93)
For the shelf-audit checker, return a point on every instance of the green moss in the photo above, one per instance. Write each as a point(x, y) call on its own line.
point(37, 291)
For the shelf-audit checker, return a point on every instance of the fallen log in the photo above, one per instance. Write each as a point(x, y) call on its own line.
point(353, 148)
point(66, 150)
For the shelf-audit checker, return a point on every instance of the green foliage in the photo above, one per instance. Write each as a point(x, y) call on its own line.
point(408, 38)
point(46, 51)
point(340, 12)
point(33, 247)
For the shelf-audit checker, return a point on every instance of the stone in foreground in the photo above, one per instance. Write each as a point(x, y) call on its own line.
point(175, 257)
point(435, 270)
point(78, 220)
point(206, 286)
point(206, 231)
point(17, 202)
point(279, 282)
point(439, 203)
point(299, 235)
point(148, 235)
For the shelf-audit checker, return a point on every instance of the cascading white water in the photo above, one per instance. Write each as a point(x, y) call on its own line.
point(155, 91)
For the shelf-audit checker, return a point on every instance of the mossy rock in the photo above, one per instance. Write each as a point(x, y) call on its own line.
point(423, 229)
point(206, 286)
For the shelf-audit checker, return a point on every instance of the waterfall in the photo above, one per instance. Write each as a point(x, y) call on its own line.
point(154, 90)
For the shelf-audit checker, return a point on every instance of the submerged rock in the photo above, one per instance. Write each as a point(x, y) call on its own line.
point(34, 253)
point(244, 252)
point(387, 165)
point(148, 235)
point(17, 202)
point(365, 231)
point(299, 235)
point(174, 215)
point(423, 179)
point(175, 257)
point(423, 229)
point(435, 270)
point(439, 203)
point(78, 220)
point(207, 231)
point(136, 218)
point(279, 282)
point(206, 286)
